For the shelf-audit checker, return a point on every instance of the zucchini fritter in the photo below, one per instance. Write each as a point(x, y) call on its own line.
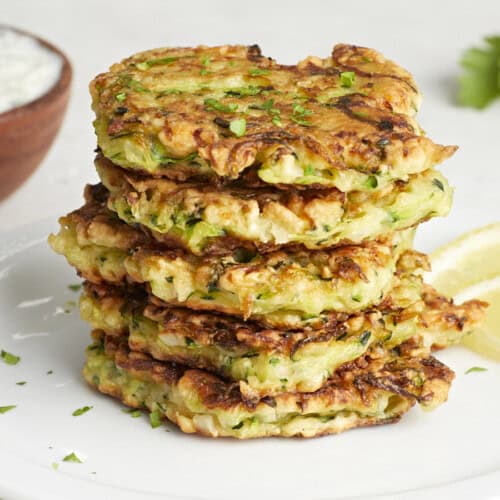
point(376, 389)
point(284, 286)
point(265, 361)
point(218, 113)
point(203, 218)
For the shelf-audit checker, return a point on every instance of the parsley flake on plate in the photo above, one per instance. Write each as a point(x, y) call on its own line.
point(9, 358)
point(81, 411)
point(72, 458)
point(5, 409)
point(476, 369)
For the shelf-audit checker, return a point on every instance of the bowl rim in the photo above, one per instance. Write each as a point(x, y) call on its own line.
point(59, 87)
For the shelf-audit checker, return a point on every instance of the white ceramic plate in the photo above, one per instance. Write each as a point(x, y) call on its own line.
point(452, 452)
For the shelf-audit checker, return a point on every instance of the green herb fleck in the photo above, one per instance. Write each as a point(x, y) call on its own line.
point(55, 465)
point(356, 298)
point(276, 120)
point(480, 82)
point(274, 361)
point(81, 411)
point(476, 369)
point(143, 66)
point(365, 337)
point(155, 418)
point(299, 113)
point(72, 458)
point(137, 86)
point(438, 184)
point(121, 96)
point(133, 412)
point(215, 105)
point(5, 409)
point(309, 170)
point(251, 90)
point(347, 79)
point(394, 217)
point(9, 358)
point(371, 182)
point(238, 127)
point(190, 342)
point(23, 382)
point(50, 372)
point(205, 62)
point(76, 287)
point(258, 72)
point(169, 279)
point(238, 425)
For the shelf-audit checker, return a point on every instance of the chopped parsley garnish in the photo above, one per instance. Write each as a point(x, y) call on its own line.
point(215, 105)
point(190, 342)
point(347, 79)
point(237, 426)
point(480, 81)
point(55, 465)
point(9, 358)
point(155, 418)
point(81, 411)
point(72, 458)
point(309, 170)
point(244, 91)
point(23, 382)
point(121, 96)
point(356, 298)
point(274, 361)
point(276, 120)
point(371, 182)
point(258, 72)
point(299, 113)
point(76, 287)
point(365, 337)
point(205, 62)
point(269, 107)
point(133, 412)
point(169, 279)
point(50, 372)
point(476, 369)
point(238, 127)
point(438, 184)
point(5, 409)
point(143, 66)
point(137, 86)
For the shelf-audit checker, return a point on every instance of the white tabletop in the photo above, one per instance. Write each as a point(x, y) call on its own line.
point(426, 37)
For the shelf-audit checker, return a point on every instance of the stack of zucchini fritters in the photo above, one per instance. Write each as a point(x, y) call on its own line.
point(248, 253)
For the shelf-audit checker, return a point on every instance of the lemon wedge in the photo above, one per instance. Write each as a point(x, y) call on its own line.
point(466, 261)
point(469, 268)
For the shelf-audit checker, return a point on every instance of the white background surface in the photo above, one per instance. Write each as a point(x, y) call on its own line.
point(457, 441)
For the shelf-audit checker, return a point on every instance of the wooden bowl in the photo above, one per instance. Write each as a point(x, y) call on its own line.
point(27, 132)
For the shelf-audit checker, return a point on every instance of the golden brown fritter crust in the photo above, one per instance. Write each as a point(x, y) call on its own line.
point(229, 332)
point(170, 111)
point(207, 219)
point(447, 322)
point(417, 378)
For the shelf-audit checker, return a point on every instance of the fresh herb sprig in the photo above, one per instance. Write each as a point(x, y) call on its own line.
point(480, 81)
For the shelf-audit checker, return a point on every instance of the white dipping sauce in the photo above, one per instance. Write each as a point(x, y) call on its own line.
point(27, 69)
